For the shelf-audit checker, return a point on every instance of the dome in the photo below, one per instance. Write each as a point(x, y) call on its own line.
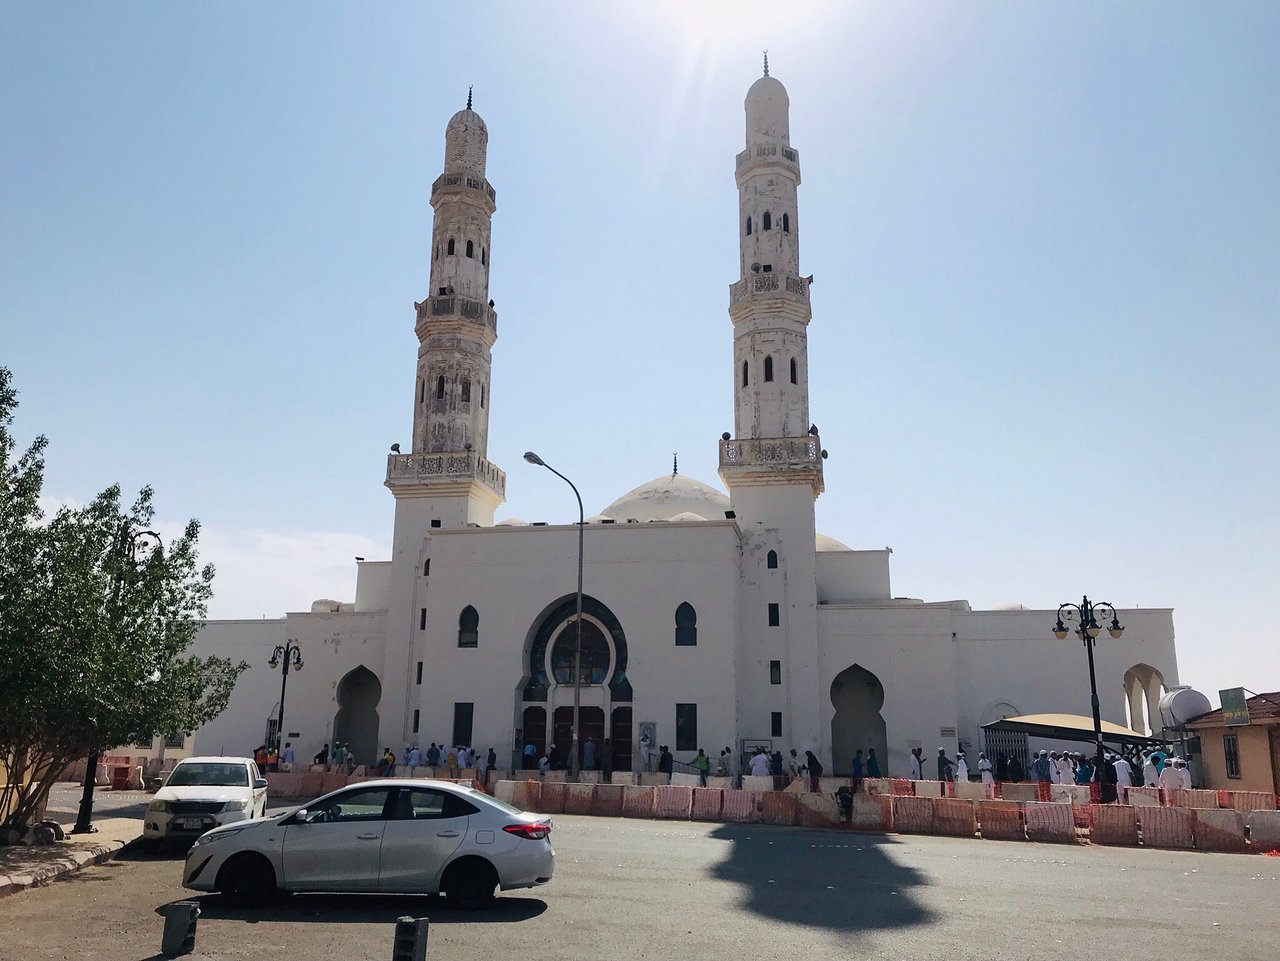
point(823, 542)
point(466, 117)
point(598, 518)
point(512, 522)
point(466, 143)
point(666, 497)
point(768, 108)
point(768, 88)
point(687, 516)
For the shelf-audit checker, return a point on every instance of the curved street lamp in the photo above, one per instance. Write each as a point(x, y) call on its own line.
point(1088, 612)
point(533, 458)
point(288, 655)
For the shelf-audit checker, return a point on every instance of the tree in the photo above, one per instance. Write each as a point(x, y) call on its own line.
point(96, 619)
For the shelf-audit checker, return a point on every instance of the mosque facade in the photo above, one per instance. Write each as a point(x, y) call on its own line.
point(711, 617)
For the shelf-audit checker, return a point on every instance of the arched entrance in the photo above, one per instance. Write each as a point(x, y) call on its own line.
point(356, 723)
point(857, 695)
point(1143, 686)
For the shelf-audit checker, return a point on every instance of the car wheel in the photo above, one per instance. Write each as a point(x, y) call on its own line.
point(247, 880)
point(469, 884)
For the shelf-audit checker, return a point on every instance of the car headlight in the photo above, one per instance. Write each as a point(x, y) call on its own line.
point(238, 805)
point(213, 836)
point(158, 807)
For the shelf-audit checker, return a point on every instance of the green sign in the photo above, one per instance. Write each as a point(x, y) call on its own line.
point(1235, 708)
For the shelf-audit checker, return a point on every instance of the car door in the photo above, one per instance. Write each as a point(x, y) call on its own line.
point(425, 827)
point(335, 848)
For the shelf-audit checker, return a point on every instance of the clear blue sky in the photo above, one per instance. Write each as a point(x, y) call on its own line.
point(1044, 238)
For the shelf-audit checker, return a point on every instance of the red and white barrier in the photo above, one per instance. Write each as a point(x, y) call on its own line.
point(1249, 801)
point(1192, 799)
point(672, 801)
point(311, 784)
point(1051, 821)
point(505, 791)
point(707, 802)
point(1001, 820)
point(740, 807)
point(551, 797)
point(873, 812)
point(902, 787)
point(1010, 791)
point(1116, 824)
point(818, 811)
point(779, 808)
point(929, 789)
point(955, 816)
point(1070, 793)
point(607, 800)
point(913, 815)
point(1264, 830)
point(877, 785)
point(972, 791)
point(1168, 827)
point(579, 798)
point(1219, 830)
point(528, 795)
point(637, 801)
point(1143, 796)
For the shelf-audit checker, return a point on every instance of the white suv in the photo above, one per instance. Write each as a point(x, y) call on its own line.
point(203, 793)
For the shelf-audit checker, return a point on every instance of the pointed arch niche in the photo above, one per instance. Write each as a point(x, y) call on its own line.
point(1143, 687)
point(356, 723)
point(857, 695)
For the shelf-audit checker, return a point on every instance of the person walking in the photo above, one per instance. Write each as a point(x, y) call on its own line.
point(759, 764)
point(793, 766)
point(286, 763)
point(984, 769)
point(702, 764)
point(775, 768)
point(589, 755)
point(1150, 774)
point(814, 767)
point(666, 763)
point(544, 764)
point(962, 768)
point(944, 765)
point(917, 764)
point(1084, 771)
point(1040, 767)
point(873, 763)
point(1015, 771)
point(1169, 779)
point(1124, 778)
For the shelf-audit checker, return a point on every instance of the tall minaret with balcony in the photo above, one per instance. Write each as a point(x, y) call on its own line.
point(772, 465)
point(447, 476)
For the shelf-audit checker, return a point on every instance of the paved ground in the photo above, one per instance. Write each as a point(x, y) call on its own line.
point(659, 890)
point(64, 803)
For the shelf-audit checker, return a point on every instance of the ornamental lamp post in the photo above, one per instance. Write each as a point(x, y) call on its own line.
point(533, 458)
point(1088, 631)
point(285, 655)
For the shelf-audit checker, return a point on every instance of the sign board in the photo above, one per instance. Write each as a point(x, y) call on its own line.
point(947, 732)
point(1235, 707)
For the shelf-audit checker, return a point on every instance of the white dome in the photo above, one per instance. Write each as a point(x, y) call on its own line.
point(598, 518)
point(1010, 606)
point(664, 498)
point(512, 522)
point(823, 542)
point(687, 516)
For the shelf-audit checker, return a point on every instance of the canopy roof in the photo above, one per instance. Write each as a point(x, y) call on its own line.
point(1066, 727)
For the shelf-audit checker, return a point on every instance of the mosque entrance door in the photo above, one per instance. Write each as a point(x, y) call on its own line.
point(356, 723)
point(590, 724)
point(535, 733)
point(857, 696)
point(620, 738)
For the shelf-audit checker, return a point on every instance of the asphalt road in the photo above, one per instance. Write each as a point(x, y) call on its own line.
point(677, 890)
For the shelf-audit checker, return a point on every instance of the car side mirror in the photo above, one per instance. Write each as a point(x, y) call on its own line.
point(299, 816)
point(259, 782)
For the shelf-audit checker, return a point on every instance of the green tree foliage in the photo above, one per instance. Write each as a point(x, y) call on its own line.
point(96, 616)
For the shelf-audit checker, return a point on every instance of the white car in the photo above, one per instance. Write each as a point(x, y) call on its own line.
point(401, 835)
point(202, 793)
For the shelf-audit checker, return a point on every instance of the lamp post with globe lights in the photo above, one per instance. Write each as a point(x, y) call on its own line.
point(1088, 630)
point(285, 655)
point(533, 458)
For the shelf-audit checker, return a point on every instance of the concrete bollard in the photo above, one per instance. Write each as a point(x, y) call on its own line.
point(179, 928)
point(411, 939)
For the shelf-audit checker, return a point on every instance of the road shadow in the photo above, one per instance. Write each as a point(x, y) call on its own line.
point(367, 909)
point(841, 881)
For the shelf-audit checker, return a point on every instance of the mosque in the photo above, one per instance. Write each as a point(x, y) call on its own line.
point(710, 619)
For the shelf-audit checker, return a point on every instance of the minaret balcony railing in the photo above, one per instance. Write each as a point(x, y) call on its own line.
point(764, 153)
point(472, 310)
point(467, 183)
point(768, 286)
point(771, 452)
point(444, 468)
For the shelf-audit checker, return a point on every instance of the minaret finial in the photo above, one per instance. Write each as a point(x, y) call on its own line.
point(469, 89)
point(675, 464)
point(766, 63)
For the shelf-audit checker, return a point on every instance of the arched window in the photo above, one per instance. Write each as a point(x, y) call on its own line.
point(449, 249)
point(471, 249)
point(593, 663)
point(768, 369)
point(482, 392)
point(771, 560)
point(466, 390)
point(440, 387)
point(786, 223)
point(686, 626)
point(483, 256)
point(468, 627)
point(793, 370)
point(426, 567)
point(766, 221)
point(744, 373)
point(748, 226)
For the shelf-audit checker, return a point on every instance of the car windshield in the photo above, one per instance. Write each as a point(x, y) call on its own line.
point(209, 775)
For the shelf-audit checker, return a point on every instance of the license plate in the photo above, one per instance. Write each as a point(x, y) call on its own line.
point(190, 824)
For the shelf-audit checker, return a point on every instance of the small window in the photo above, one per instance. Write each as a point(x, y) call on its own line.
point(771, 560)
point(175, 741)
point(466, 390)
point(462, 717)
point(449, 249)
point(686, 626)
point(1231, 754)
point(786, 224)
point(422, 390)
point(426, 567)
point(775, 616)
point(768, 370)
point(744, 373)
point(468, 633)
point(418, 679)
point(471, 249)
point(686, 727)
point(422, 619)
point(775, 724)
point(435, 254)
point(484, 259)
point(775, 673)
point(415, 721)
point(435, 522)
point(482, 392)
point(767, 268)
point(766, 222)
point(748, 226)
point(793, 370)
point(440, 387)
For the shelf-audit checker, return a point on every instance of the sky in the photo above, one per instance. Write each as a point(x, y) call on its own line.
point(1044, 241)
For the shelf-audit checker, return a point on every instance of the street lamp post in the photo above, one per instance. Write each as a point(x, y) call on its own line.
point(1088, 632)
point(533, 458)
point(285, 655)
point(129, 543)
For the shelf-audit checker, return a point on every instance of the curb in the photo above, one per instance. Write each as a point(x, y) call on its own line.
point(60, 867)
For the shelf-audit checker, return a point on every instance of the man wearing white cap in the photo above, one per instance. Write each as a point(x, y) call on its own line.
point(1124, 778)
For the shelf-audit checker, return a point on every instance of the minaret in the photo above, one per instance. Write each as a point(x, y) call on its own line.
point(456, 327)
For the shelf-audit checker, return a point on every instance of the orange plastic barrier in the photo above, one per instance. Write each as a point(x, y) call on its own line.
point(606, 800)
point(819, 811)
point(1116, 824)
point(1001, 820)
point(579, 799)
point(551, 797)
point(913, 815)
point(1219, 830)
point(1168, 827)
point(780, 808)
point(1249, 801)
point(1050, 821)
point(955, 816)
point(637, 801)
point(740, 806)
point(672, 801)
point(875, 812)
point(707, 802)
point(902, 787)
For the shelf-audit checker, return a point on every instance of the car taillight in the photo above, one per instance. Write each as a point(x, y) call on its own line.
point(534, 832)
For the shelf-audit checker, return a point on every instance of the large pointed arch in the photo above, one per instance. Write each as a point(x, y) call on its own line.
point(356, 723)
point(858, 696)
point(535, 683)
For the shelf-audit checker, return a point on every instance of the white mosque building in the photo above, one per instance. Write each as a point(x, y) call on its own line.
point(710, 618)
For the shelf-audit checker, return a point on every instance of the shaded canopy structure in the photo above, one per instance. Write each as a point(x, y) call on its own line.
point(1067, 727)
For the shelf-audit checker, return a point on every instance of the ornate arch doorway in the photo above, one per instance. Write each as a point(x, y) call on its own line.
point(857, 695)
point(356, 723)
